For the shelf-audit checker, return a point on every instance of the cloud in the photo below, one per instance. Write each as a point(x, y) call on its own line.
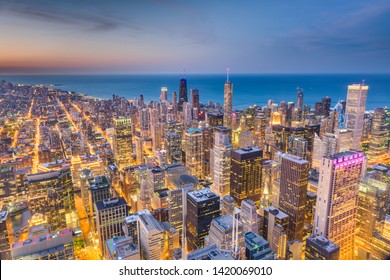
point(72, 15)
point(363, 30)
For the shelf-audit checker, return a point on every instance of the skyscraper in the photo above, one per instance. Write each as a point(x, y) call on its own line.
point(51, 194)
point(183, 96)
point(356, 105)
point(222, 233)
point(194, 151)
point(151, 237)
point(173, 146)
point(221, 170)
point(227, 102)
point(164, 94)
point(227, 206)
point(249, 217)
point(370, 242)
point(202, 208)
point(5, 252)
point(336, 206)
point(298, 146)
point(380, 133)
point(299, 98)
point(174, 103)
point(99, 189)
point(194, 94)
point(272, 217)
point(245, 176)
point(123, 146)
point(293, 188)
point(326, 106)
point(110, 215)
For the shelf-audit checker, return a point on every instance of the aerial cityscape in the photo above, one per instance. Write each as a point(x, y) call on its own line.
point(234, 167)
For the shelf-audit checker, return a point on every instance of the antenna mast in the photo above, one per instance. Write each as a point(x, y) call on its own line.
point(227, 74)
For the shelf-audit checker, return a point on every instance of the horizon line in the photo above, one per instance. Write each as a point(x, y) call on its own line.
point(189, 74)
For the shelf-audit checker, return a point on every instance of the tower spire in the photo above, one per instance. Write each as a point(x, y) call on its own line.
point(227, 74)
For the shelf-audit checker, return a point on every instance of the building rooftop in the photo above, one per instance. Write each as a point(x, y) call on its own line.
point(132, 218)
point(41, 243)
point(156, 169)
point(210, 253)
point(347, 155)
point(99, 182)
point(110, 202)
point(253, 240)
point(194, 130)
point(294, 158)
point(43, 176)
point(161, 193)
point(228, 199)
point(323, 243)
point(247, 150)
point(216, 114)
point(225, 222)
point(150, 222)
point(120, 247)
point(202, 195)
point(276, 212)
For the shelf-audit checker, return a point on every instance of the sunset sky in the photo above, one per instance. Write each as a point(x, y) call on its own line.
point(202, 36)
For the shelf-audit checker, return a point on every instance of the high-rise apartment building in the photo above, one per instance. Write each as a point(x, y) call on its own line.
point(123, 145)
point(202, 208)
point(337, 196)
point(293, 188)
point(356, 105)
point(245, 177)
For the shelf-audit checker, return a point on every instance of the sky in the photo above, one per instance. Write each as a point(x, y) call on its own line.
point(202, 36)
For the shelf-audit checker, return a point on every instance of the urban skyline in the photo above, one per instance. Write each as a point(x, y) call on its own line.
point(194, 166)
point(137, 180)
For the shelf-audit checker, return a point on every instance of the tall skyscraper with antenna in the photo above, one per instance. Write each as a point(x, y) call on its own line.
point(183, 95)
point(227, 101)
point(299, 98)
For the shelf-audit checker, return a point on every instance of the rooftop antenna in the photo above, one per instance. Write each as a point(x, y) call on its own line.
point(184, 72)
point(363, 82)
point(227, 74)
